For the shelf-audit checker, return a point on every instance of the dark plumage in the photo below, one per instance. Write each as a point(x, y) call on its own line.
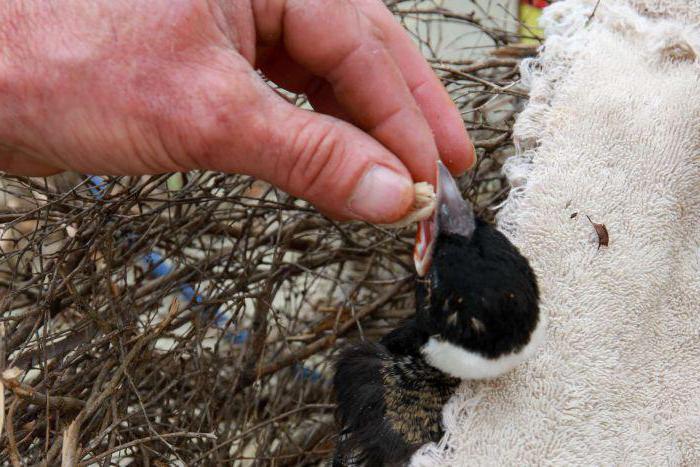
point(477, 316)
point(389, 399)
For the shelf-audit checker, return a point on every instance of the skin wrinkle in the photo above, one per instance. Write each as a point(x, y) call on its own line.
point(329, 62)
point(308, 173)
point(337, 76)
point(387, 119)
point(314, 178)
point(306, 143)
point(140, 147)
point(152, 146)
point(416, 87)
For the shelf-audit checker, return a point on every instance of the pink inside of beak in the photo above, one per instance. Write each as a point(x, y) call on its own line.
point(423, 248)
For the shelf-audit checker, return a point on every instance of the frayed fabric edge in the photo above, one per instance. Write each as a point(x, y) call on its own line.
point(562, 23)
point(567, 26)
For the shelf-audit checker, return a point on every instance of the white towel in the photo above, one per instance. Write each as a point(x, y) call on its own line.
point(612, 131)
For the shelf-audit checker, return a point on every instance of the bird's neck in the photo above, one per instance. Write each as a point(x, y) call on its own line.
point(405, 340)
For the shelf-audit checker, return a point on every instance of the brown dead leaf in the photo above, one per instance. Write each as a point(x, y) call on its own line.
point(602, 231)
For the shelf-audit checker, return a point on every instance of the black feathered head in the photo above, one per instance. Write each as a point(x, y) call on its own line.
point(476, 295)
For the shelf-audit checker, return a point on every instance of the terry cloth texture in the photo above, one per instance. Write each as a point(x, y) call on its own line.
point(612, 131)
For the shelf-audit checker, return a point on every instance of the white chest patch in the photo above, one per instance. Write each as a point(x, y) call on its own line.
point(461, 363)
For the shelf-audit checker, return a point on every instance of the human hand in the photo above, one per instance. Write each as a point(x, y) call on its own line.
point(153, 86)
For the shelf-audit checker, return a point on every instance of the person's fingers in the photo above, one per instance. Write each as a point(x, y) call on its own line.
point(337, 167)
point(437, 108)
point(456, 150)
point(15, 162)
point(337, 42)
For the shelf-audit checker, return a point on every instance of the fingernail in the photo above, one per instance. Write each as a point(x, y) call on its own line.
point(381, 196)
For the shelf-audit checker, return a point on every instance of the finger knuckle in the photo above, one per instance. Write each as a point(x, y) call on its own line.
point(317, 151)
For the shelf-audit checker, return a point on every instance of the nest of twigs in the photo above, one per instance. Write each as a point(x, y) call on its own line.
point(193, 318)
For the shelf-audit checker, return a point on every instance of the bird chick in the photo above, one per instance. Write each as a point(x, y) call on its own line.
point(477, 316)
point(389, 399)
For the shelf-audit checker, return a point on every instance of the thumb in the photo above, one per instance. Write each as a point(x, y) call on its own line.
point(340, 169)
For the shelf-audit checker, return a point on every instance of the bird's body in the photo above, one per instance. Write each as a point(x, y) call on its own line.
point(375, 384)
point(477, 316)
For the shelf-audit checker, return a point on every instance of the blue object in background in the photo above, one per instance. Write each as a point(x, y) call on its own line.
point(98, 187)
point(238, 338)
point(304, 373)
point(157, 266)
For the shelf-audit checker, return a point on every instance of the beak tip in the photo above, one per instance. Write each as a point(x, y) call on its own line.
point(454, 214)
point(451, 214)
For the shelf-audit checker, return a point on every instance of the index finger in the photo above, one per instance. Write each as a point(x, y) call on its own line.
point(445, 120)
point(340, 43)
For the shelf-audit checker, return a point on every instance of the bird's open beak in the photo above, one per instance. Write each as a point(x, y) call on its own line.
point(452, 215)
